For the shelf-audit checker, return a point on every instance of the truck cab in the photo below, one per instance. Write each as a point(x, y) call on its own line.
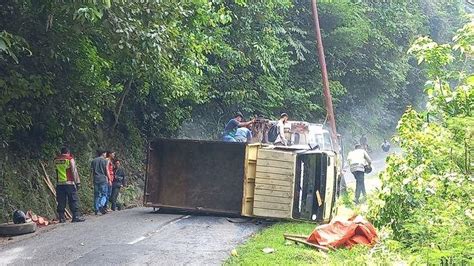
point(304, 135)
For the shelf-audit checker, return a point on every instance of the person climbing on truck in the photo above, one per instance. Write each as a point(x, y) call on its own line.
point(231, 127)
point(243, 134)
point(358, 161)
point(281, 139)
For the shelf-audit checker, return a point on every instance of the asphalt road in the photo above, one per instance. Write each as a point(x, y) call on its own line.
point(132, 237)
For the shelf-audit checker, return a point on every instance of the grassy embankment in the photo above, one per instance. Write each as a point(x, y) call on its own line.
point(291, 253)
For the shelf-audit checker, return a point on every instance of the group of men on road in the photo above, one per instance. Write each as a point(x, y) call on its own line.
point(108, 177)
point(239, 130)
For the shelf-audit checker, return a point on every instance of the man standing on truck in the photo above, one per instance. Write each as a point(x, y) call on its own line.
point(281, 139)
point(68, 183)
point(358, 159)
point(100, 178)
point(231, 127)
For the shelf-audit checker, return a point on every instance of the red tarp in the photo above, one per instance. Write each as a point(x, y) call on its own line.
point(343, 232)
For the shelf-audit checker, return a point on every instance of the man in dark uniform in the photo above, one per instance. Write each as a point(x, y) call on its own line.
point(68, 183)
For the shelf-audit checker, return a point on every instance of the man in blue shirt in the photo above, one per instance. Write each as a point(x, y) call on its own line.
point(243, 134)
point(231, 127)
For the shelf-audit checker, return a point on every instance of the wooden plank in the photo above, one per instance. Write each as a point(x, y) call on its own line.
point(273, 199)
point(273, 182)
point(259, 187)
point(252, 151)
point(273, 170)
point(271, 205)
point(274, 193)
point(275, 176)
point(249, 179)
point(304, 241)
point(271, 213)
point(276, 155)
point(276, 164)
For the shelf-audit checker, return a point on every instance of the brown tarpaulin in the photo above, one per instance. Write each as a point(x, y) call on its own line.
point(343, 232)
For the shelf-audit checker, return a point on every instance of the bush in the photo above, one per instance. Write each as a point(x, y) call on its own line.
point(426, 196)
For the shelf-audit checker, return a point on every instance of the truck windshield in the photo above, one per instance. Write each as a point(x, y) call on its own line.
point(323, 140)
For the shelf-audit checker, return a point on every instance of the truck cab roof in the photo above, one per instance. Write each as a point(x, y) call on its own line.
point(304, 135)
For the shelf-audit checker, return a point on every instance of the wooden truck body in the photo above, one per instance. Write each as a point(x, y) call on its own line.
point(241, 179)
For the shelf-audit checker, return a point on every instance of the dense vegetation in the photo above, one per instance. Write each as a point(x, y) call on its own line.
point(426, 197)
point(117, 74)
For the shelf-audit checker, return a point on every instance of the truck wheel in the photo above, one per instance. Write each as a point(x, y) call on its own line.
point(7, 229)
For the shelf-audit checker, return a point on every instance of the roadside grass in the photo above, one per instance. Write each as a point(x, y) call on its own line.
point(291, 253)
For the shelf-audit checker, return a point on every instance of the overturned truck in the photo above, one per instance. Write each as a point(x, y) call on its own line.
point(241, 179)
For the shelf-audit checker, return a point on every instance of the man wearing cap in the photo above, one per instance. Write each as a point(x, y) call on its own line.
point(231, 127)
point(281, 139)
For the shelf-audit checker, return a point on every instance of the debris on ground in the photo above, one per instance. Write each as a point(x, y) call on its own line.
point(19, 217)
point(268, 250)
point(11, 229)
point(303, 240)
point(234, 253)
point(39, 220)
point(344, 232)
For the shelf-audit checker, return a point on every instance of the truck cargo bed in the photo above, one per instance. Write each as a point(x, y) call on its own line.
point(195, 175)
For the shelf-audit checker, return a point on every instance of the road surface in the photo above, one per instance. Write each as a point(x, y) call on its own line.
point(133, 237)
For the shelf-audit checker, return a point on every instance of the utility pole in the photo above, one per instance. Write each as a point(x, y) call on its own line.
point(324, 73)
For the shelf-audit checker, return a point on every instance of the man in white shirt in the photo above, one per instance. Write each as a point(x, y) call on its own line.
point(281, 139)
point(358, 159)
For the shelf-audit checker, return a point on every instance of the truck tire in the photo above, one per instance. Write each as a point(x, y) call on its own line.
point(8, 229)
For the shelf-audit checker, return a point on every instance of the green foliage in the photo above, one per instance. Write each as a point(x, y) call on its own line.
point(118, 74)
point(426, 197)
point(11, 45)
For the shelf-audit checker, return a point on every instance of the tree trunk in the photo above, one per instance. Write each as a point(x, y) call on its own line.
point(119, 107)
